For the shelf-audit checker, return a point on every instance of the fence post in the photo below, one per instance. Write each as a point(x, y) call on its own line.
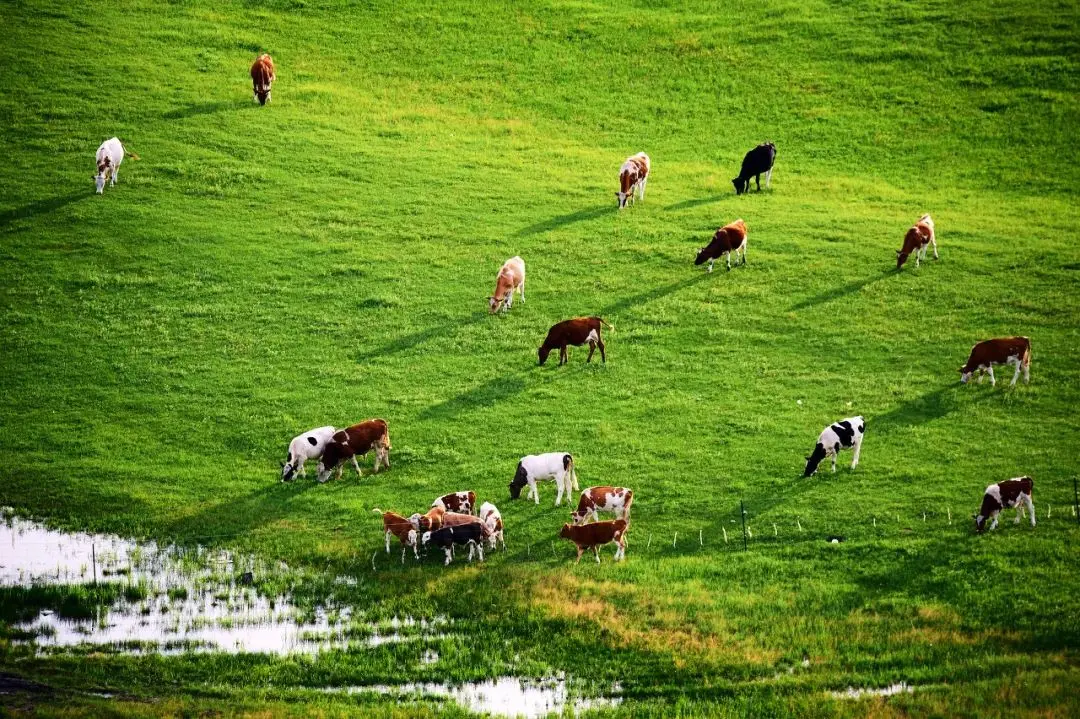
point(742, 504)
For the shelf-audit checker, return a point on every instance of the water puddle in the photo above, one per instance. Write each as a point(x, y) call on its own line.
point(176, 600)
point(505, 696)
point(891, 690)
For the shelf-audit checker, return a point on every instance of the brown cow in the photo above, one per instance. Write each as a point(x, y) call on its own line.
point(352, 441)
point(1010, 493)
point(395, 524)
point(574, 332)
point(596, 535)
point(457, 502)
point(262, 78)
point(727, 240)
point(511, 277)
point(1004, 350)
point(603, 499)
point(633, 176)
point(431, 520)
point(916, 240)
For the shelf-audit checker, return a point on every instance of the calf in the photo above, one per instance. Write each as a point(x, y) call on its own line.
point(596, 535)
point(432, 519)
point(262, 78)
point(727, 240)
point(603, 499)
point(1010, 493)
point(492, 519)
point(109, 156)
point(633, 176)
point(352, 441)
point(552, 465)
point(471, 534)
point(845, 434)
point(1004, 350)
point(511, 277)
point(917, 239)
point(398, 526)
point(574, 332)
point(457, 502)
point(309, 445)
point(757, 161)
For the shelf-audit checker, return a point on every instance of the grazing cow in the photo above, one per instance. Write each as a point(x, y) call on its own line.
point(633, 176)
point(1010, 493)
point(552, 465)
point(603, 499)
point(309, 445)
point(109, 156)
point(845, 434)
point(596, 535)
point(352, 441)
point(727, 240)
point(757, 161)
point(432, 519)
point(511, 277)
point(471, 534)
point(262, 78)
point(457, 502)
point(918, 238)
point(398, 526)
point(492, 519)
point(1004, 350)
point(574, 332)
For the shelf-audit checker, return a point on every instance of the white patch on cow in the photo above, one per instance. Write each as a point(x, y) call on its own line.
point(592, 336)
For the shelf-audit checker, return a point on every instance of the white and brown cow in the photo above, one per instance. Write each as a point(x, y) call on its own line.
point(728, 240)
point(917, 239)
point(463, 502)
point(262, 78)
point(1010, 493)
point(492, 519)
point(633, 176)
point(398, 526)
point(358, 439)
point(511, 277)
point(1003, 350)
point(109, 156)
point(594, 500)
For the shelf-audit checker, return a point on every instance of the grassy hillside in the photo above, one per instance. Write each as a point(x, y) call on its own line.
point(326, 258)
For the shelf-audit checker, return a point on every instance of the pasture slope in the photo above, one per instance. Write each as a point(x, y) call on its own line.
point(326, 258)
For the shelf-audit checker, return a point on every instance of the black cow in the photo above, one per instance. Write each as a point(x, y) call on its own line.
point(470, 534)
point(757, 161)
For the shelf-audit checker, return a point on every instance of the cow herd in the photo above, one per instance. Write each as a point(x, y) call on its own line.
point(455, 520)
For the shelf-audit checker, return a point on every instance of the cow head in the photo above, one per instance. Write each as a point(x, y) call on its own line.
point(494, 305)
point(565, 531)
point(425, 538)
point(980, 523)
point(287, 469)
point(741, 185)
point(262, 93)
point(965, 374)
point(578, 518)
point(623, 196)
point(814, 459)
point(704, 255)
point(901, 258)
point(102, 174)
point(543, 353)
point(332, 456)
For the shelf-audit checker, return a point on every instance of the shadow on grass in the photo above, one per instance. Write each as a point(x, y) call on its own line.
point(842, 291)
point(563, 220)
point(413, 339)
point(204, 108)
point(930, 406)
point(655, 293)
point(687, 204)
point(241, 514)
point(42, 207)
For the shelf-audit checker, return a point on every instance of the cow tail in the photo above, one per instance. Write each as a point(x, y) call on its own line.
point(376, 510)
point(386, 436)
point(1026, 361)
point(132, 155)
point(605, 324)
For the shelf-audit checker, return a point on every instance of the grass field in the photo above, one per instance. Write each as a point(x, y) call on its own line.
point(327, 258)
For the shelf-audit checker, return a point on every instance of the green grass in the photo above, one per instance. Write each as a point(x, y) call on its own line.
point(325, 259)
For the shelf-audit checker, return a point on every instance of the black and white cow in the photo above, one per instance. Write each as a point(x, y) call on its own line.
point(845, 434)
point(756, 163)
point(1010, 493)
point(472, 534)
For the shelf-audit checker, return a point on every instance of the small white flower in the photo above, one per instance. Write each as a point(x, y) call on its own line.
point(798, 402)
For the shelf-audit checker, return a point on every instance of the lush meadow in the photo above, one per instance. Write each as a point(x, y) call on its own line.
point(327, 258)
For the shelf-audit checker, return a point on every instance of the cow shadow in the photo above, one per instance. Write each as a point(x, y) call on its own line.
point(42, 207)
point(241, 514)
point(204, 108)
point(407, 342)
point(839, 292)
point(687, 204)
point(626, 303)
point(931, 406)
point(563, 220)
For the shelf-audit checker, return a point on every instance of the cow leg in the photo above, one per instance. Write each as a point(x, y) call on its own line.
point(592, 348)
point(934, 243)
point(1016, 374)
point(480, 550)
point(834, 454)
point(643, 184)
point(990, 371)
point(855, 459)
point(1027, 372)
point(449, 555)
point(1019, 511)
point(727, 256)
point(1030, 508)
point(596, 551)
point(711, 264)
point(388, 541)
point(534, 490)
point(768, 178)
point(563, 356)
point(560, 479)
point(757, 177)
point(993, 524)
point(603, 358)
point(580, 549)
point(357, 465)
point(114, 173)
point(403, 548)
